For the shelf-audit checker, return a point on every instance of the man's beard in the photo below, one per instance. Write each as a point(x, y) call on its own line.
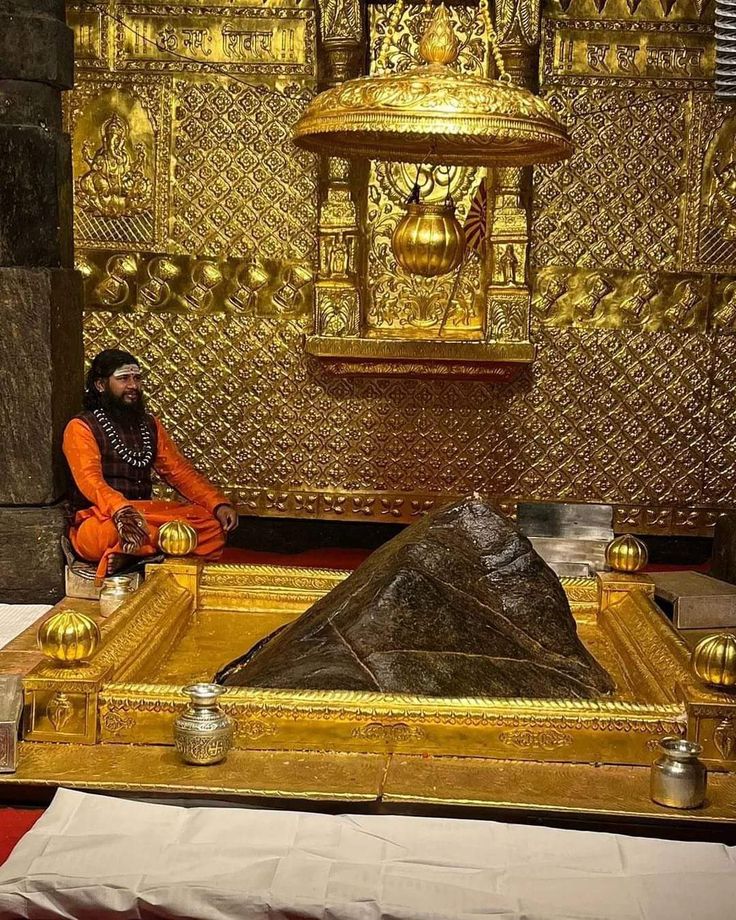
point(122, 412)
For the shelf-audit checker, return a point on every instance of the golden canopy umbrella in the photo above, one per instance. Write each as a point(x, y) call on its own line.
point(431, 113)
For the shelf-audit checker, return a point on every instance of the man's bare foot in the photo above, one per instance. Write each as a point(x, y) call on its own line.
point(118, 561)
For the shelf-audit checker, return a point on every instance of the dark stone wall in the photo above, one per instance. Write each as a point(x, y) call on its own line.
point(40, 296)
point(40, 367)
point(31, 564)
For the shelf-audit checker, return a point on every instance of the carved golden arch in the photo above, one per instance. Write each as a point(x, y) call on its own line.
point(341, 334)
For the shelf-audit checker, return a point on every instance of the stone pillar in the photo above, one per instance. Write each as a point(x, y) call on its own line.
point(40, 298)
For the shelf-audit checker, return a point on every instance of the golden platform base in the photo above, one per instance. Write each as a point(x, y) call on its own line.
point(108, 724)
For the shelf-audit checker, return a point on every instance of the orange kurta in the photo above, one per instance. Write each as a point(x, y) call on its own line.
point(94, 535)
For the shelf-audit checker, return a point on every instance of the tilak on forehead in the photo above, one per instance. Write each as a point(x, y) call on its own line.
point(126, 369)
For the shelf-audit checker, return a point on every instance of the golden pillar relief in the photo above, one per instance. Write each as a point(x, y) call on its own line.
point(337, 292)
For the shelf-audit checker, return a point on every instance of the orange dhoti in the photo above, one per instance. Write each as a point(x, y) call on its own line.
point(95, 537)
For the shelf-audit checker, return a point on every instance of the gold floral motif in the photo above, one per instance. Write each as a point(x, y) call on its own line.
point(530, 739)
point(114, 723)
point(252, 730)
point(337, 310)
point(391, 733)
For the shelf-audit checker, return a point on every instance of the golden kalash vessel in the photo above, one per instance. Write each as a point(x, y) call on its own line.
point(107, 722)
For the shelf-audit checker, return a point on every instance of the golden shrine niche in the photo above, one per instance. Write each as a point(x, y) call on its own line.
point(218, 251)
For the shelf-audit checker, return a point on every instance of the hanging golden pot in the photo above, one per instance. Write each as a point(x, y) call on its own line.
point(714, 660)
point(68, 637)
point(626, 554)
point(428, 240)
point(177, 538)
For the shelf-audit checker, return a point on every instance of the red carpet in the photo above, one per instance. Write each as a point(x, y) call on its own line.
point(14, 822)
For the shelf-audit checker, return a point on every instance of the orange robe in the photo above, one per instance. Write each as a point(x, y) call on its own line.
point(93, 533)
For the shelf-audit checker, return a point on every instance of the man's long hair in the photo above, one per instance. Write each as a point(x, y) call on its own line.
point(103, 364)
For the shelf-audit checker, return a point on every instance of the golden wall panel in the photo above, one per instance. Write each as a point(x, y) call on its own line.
point(278, 426)
point(616, 201)
point(709, 231)
point(720, 471)
point(204, 262)
point(238, 186)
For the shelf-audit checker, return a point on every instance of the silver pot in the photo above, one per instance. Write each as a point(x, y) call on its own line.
point(203, 733)
point(678, 778)
point(115, 591)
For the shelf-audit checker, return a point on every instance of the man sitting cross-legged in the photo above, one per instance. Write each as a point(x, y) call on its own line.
point(112, 448)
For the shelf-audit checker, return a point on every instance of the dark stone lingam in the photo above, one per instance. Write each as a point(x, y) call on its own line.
point(459, 604)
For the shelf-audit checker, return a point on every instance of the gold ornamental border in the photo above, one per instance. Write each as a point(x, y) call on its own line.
point(407, 507)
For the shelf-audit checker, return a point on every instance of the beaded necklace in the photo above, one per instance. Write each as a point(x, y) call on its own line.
point(137, 458)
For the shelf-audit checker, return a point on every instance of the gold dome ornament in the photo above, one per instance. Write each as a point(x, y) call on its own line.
point(431, 113)
point(626, 554)
point(177, 538)
point(428, 240)
point(714, 660)
point(68, 637)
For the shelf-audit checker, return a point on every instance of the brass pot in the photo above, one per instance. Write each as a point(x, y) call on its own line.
point(714, 660)
point(428, 240)
point(203, 733)
point(177, 538)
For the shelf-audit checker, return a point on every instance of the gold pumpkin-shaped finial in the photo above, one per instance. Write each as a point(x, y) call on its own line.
point(68, 637)
point(626, 554)
point(714, 660)
point(428, 240)
point(439, 44)
point(177, 538)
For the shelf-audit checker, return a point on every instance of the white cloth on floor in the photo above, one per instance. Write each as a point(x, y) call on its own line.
point(14, 618)
point(91, 854)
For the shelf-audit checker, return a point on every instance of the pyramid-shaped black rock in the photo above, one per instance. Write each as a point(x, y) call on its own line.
point(459, 604)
